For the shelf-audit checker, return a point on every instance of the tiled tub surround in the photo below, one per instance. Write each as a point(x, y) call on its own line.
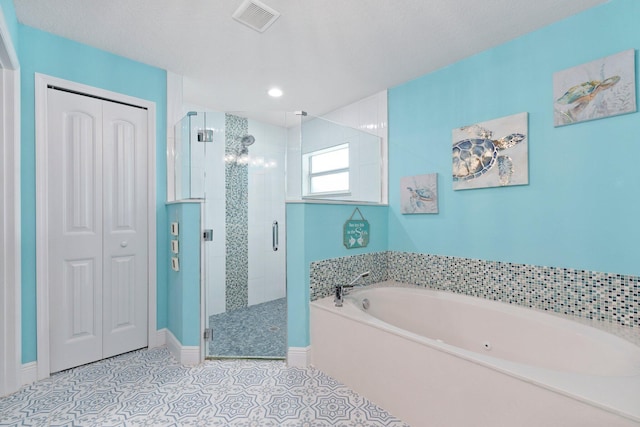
point(604, 297)
point(462, 360)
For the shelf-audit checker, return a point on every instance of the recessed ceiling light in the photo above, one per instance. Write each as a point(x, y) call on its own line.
point(275, 92)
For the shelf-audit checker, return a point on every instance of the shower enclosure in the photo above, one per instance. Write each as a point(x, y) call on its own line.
point(242, 170)
point(236, 166)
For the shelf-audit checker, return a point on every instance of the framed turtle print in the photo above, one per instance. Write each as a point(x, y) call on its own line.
point(601, 88)
point(419, 194)
point(491, 154)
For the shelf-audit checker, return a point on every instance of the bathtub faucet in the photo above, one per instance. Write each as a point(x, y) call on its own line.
point(342, 290)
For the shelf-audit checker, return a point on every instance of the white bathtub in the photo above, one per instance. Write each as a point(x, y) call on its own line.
point(441, 359)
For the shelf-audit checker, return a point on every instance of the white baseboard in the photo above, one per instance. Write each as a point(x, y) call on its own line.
point(29, 373)
point(159, 339)
point(190, 356)
point(186, 355)
point(299, 357)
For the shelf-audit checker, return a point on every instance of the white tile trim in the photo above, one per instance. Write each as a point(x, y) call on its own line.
point(298, 357)
point(186, 355)
point(29, 373)
point(160, 338)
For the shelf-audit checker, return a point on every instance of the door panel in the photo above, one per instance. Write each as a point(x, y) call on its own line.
point(81, 189)
point(125, 228)
point(122, 294)
point(79, 293)
point(75, 235)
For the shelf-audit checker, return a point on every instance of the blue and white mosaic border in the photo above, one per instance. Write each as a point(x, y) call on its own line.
point(326, 274)
point(607, 297)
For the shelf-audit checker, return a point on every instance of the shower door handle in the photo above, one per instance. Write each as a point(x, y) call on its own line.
point(274, 235)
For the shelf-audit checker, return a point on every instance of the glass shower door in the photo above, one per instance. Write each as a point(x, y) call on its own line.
point(244, 262)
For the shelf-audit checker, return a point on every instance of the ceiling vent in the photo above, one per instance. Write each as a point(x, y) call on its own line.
point(256, 15)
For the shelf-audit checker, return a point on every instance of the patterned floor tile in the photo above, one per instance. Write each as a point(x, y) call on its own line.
point(285, 407)
point(188, 405)
point(149, 388)
point(143, 403)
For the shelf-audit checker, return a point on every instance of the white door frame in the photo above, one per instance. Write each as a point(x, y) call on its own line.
point(42, 286)
point(10, 260)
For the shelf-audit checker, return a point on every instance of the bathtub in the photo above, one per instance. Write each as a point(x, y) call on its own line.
point(435, 358)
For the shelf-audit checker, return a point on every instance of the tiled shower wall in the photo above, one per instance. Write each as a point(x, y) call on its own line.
point(606, 297)
point(236, 215)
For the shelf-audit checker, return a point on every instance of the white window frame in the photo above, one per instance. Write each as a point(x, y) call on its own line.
point(307, 175)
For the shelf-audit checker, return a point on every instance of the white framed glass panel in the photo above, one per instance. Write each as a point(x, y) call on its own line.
point(329, 148)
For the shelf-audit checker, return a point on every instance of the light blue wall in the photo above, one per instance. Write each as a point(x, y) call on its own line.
point(184, 285)
point(580, 208)
point(297, 278)
point(58, 57)
point(314, 232)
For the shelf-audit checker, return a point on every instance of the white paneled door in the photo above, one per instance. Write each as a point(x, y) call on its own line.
point(97, 231)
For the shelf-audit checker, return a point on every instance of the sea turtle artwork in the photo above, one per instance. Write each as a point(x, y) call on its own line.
point(479, 156)
point(601, 88)
point(419, 194)
point(579, 96)
point(475, 157)
point(419, 197)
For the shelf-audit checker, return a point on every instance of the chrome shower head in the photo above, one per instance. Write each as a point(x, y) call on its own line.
point(247, 140)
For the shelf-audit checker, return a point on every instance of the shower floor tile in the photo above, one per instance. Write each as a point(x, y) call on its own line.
point(257, 331)
point(149, 388)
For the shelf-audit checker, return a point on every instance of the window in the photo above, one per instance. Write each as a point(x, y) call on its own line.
point(327, 171)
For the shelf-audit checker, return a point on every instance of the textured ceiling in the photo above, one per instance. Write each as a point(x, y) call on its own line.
point(323, 53)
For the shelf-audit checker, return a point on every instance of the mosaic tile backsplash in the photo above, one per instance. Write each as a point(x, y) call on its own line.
point(328, 273)
point(600, 296)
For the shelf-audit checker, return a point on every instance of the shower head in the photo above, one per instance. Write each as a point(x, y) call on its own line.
point(247, 140)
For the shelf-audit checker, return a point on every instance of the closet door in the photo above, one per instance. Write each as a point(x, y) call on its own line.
point(97, 235)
